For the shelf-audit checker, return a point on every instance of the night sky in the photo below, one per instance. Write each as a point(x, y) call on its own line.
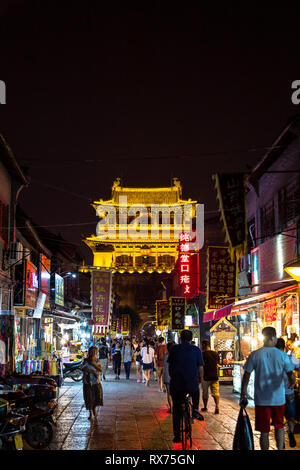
point(150, 89)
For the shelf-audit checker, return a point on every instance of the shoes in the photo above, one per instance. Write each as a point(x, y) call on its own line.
point(204, 409)
point(104, 377)
point(138, 380)
point(176, 439)
point(292, 440)
point(217, 411)
point(169, 411)
point(197, 415)
point(161, 391)
point(116, 377)
point(147, 383)
point(144, 381)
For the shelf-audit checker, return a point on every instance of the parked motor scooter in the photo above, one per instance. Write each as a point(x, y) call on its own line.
point(12, 426)
point(36, 401)
point(73, 370)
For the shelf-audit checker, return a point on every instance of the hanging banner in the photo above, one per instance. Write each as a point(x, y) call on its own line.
point(101, 296)
point(221, 278)
point(270, 311)
point(162, 313)
point(114, 325)
point(125, 324)
point(178, 306)
point(231, 195)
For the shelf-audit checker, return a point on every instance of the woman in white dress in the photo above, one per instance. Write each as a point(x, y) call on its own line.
point(148, 358)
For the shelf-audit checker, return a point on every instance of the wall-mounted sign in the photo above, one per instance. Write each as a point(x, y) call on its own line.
point(31, 284)
point(59, 290)
point(184, 263)
point(221, 278)
point(177, 305)
point(162, 313)
point(45, 278)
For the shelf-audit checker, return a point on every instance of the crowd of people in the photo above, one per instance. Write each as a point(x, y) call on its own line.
point(180, 368)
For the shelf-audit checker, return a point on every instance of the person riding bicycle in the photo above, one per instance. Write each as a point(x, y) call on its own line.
point(186, 371)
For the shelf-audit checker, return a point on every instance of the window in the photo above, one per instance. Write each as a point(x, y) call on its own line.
point(267, 221)
point(289, 204)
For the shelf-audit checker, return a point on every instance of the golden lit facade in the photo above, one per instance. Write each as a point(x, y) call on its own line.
point(155, 246)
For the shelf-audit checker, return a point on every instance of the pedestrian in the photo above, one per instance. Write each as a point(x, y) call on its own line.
point(271, 366)
point(210, 375)
point(293, 348)
point(138, 361)
point(92, 388)
point(103, 357)
point(186, 372)
point(127, 354)
point(148, 359)
point(290, 406)
point(161, 350)
point(117, 356)
point(166, 375)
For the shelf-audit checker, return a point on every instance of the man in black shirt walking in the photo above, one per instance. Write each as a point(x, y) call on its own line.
point(211, 375)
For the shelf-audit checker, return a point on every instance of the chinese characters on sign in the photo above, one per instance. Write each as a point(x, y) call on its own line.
point(221, 278)
point(101, 293)
point(184, 263)
point(125, 324)
point(270, 311)
point(162, 313)
point(178, 305)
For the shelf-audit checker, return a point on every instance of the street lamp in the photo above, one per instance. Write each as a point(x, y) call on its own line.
point(293, 269)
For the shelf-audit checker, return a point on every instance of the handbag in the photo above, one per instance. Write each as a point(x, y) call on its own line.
point(243, 436)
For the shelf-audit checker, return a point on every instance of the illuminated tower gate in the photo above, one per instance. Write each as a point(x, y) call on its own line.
point(138, 263)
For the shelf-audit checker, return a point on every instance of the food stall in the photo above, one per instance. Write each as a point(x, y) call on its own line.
point(223, 341)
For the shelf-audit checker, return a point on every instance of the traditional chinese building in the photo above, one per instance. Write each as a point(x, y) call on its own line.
point(139, 263)
point(156, 247)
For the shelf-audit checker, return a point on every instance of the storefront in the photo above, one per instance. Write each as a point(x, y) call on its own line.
point(279, 309)
point(223, 341)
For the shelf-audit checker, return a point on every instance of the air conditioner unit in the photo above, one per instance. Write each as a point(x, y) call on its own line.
point(15, 253)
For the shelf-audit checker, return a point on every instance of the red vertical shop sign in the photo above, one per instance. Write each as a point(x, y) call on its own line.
point(184, 263)
point(270, 311)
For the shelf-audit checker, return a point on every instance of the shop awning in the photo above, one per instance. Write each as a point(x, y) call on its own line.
point(246, 304)
point(62, 315)
point(217, 314)
point(208, 316)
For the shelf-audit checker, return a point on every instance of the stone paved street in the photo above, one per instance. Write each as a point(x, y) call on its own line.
point(135, 417)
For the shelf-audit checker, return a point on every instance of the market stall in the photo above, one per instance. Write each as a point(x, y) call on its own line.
point(223, 341)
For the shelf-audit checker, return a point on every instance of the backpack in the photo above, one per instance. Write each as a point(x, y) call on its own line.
point(103, 351)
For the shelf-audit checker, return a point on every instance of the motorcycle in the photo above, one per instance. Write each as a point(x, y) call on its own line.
point(38, 403)
point(73, 370)
point(12, 426)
